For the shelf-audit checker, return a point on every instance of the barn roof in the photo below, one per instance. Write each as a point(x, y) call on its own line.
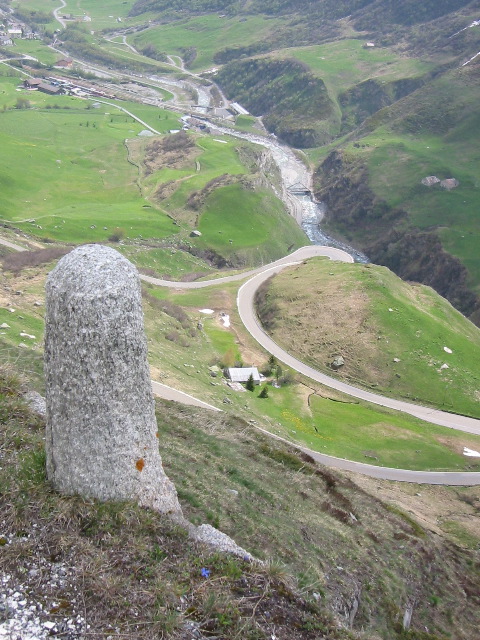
point(242, 374)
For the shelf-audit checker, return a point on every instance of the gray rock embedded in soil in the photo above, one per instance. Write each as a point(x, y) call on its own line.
point(338, 362)
point(101, 437)
point(219, 540)
point(36, 402)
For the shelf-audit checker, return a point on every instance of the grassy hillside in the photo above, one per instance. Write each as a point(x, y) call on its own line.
point(184, 343)
point(74, 173)
point(391, 334)
point(433, 131)
point(129, 569)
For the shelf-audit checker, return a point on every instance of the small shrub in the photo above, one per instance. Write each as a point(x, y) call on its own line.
point(117, 235)
point(264, 392)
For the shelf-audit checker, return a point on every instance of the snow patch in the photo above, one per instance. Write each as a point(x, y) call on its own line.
point(225, 319)
point(471, 453)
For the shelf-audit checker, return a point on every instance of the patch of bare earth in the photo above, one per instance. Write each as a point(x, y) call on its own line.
point(176, 151)
point(430, 505)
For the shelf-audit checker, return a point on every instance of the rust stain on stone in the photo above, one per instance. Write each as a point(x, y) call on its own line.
point(140, 464)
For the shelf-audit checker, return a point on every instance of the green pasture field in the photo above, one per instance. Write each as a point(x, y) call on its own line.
point(37, 49)
point(371, 317)
point(67, 169)
point(397, 163)
point(345, 63)
point(379, 437)
point(250, 225)
point(165, 262)
point(208, 34)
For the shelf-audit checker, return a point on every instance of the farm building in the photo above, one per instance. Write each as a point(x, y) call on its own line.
point(242, 374)
point(32, 83)
point(64, 64)
point(50, 89)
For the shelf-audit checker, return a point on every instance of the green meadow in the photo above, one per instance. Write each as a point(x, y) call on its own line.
point(66, 168)
point(208, 34)
point(345, 63)
point(375, 436)
point(391, 334)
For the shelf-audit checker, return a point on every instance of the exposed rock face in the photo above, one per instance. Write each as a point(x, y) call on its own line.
point(101, 437)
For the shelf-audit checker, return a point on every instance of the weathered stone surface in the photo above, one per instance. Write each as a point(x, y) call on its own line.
point(219, 540)
point(101, 437)
point(429, 181)
point(338, 362)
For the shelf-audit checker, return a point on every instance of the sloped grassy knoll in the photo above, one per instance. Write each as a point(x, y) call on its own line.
point(371, 317)
point(215, 185)
point(247, 228)
point(133, 570)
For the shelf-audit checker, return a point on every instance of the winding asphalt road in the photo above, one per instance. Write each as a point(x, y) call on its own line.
point(247, 313)
point(245, 304)
point(246, 309)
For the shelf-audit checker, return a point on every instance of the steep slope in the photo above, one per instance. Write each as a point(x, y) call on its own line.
point(390, 334)
point(375, 197)
point(114, 566)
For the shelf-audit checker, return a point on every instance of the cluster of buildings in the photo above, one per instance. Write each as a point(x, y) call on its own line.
point(61, 86)
point(11, 31)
